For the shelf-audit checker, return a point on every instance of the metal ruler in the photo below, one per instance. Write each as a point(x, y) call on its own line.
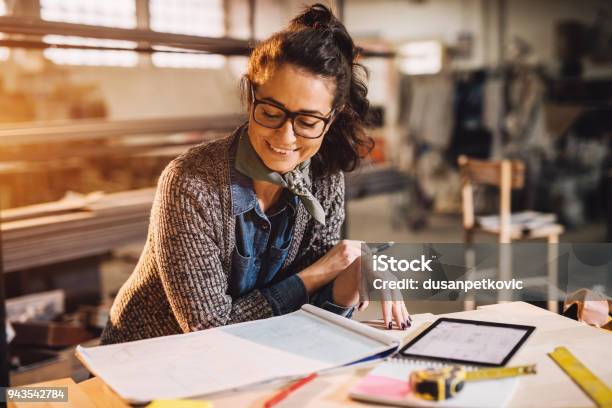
point(599, 392)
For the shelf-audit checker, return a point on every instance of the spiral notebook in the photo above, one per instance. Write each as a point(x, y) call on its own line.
point(388, 384)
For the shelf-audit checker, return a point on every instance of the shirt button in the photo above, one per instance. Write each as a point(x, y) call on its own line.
point(264, 226)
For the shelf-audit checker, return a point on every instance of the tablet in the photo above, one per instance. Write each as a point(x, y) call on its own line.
point(468, 342)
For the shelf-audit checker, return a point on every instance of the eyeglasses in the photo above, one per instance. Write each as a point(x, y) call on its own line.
point(272, 116)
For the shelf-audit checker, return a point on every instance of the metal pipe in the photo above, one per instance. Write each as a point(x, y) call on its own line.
point(252, 8)
point(222, 45)
point(41, 45)
point(29, 26)
point(61, 131)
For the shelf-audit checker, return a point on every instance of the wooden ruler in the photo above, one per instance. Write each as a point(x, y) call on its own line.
point(599, 392)
point(502, 372)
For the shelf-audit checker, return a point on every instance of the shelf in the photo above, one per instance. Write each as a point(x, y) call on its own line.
point(86, 129)
point(36, 27)
point(146, 39)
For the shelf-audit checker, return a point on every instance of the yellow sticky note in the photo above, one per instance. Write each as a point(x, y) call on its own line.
point(179, 404)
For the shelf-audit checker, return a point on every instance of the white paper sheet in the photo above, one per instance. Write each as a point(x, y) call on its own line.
point(213, 360)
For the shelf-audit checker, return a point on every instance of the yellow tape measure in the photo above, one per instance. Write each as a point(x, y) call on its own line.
point(583, 377)
point(444, 383)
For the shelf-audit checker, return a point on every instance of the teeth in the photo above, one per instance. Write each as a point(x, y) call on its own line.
point(282, 151)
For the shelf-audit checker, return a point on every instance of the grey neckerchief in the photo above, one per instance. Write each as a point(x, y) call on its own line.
point(297, 180)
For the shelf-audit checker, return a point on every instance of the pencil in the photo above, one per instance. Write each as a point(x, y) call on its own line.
point(382, 247)
point(284, 393)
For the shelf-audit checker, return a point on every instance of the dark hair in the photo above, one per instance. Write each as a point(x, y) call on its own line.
point(318, 42)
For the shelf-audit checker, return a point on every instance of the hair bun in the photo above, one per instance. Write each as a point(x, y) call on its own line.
point(320, 17)
point(317, 16)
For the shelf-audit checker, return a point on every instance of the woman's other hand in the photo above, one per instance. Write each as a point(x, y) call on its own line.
point(391, 310)
point(330, 265)
point(396, 310)
point(392, 302)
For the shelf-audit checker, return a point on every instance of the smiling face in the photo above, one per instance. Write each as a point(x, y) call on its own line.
point(296, 90)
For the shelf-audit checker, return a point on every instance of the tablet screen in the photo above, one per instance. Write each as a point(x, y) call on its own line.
point(468, 341)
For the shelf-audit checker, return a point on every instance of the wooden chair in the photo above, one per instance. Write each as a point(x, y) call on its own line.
point(505, 175)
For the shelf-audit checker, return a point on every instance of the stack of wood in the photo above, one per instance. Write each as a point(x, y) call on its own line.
point(74, 227)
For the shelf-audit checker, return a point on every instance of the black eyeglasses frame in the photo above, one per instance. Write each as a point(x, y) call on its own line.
point(289, 115)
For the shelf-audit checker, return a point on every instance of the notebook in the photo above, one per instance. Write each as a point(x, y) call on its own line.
point(388, 384)
point(208, 361)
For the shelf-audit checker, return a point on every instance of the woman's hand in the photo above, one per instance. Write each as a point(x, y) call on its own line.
point(391, 310)
point(341, 256)
point(392, 301)
point(346, 285)
point(395, 310)
point(343, 264)
point(330, 265)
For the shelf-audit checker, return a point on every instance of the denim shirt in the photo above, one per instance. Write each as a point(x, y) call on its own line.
point(262, 244)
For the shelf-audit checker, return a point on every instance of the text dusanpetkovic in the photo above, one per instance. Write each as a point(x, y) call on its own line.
point(384, 263)
point(429, 284)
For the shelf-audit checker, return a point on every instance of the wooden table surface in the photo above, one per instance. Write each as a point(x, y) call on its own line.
point(550, 387)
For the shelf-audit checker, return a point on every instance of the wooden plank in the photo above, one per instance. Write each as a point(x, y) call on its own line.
point(101, 394)
point(103, 224)
point(65, 205)
point(489, 172)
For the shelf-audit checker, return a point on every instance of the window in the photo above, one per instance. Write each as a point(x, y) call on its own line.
point(108, 13)
point(192, 17)
point(420, 57)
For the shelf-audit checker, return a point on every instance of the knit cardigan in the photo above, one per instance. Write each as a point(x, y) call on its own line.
point(180, 283)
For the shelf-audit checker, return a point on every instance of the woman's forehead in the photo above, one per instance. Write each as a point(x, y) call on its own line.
point(298, 90)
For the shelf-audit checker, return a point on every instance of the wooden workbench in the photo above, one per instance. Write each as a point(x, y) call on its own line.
point(550, 387)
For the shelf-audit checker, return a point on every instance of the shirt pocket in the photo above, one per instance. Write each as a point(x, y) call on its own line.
point(243, 276)
point(276, 258)
point(278, 255)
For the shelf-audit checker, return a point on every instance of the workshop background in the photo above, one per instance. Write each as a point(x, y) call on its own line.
point(96, 97)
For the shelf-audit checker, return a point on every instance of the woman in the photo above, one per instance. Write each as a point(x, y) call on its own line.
point(247, 227)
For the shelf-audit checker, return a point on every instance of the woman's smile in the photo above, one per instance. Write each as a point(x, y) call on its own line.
point(282, 151)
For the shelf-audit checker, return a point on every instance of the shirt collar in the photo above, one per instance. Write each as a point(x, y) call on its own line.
point(243, 194)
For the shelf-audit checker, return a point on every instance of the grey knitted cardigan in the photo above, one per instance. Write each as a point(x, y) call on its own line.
point(180, 283)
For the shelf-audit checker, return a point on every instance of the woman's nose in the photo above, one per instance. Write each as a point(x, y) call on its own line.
point(286, 135)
